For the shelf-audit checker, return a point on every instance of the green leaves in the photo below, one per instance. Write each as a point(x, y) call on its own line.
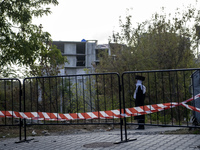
point(21, 42)
point(162, 42)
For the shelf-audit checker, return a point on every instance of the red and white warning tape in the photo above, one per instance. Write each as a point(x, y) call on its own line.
point(191, 107)
point(135, 111)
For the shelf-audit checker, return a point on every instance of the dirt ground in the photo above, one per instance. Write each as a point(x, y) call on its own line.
point(53, 130)
point(45, 130)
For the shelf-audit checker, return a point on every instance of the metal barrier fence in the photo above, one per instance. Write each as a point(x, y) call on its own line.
point(168, 88)
point(72, 100)
point(10, 101)
point(98, 99)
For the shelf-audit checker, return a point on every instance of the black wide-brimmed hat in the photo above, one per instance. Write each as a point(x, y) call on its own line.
point(140, 78)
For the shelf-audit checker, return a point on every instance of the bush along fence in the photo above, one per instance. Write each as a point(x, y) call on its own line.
point(10, 103)
point(172, 99)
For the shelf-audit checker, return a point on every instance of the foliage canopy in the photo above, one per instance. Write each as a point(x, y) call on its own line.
point(21, 42)
point(162, 42)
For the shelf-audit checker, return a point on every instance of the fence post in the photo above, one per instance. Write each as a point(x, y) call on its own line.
point(123, 114)
point(120, 107)
point(24, 120)
point(20, 109)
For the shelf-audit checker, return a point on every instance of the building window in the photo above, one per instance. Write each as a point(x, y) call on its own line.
point(80, 52)
point(59, 45)
point(80, 48)
point(80, 60)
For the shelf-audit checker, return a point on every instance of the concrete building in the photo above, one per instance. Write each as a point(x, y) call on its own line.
point(81, 56)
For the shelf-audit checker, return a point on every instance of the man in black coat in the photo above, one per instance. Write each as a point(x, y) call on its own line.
point(139, 97)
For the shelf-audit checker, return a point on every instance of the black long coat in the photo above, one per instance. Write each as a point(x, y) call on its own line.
point(139, 102)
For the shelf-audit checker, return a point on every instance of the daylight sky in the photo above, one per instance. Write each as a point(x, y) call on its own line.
point(74, 20)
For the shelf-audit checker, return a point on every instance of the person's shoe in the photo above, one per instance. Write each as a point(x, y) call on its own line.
point(139, 128)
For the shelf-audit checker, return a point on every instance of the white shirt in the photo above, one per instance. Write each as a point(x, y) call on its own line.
point(143, 88)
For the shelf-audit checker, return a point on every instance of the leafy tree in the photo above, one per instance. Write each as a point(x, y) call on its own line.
point(20, 40)
point(24, 44)
point(161, 42)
